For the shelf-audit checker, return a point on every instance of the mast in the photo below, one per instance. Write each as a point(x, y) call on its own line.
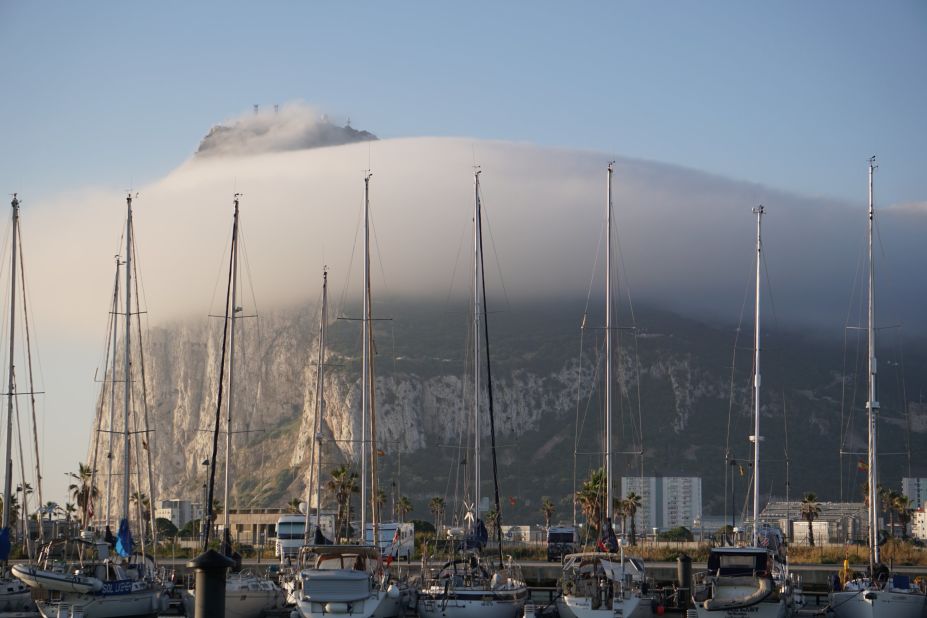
point(228, 415)
point(608, 344)
point(477, 241)
point(112, 397)
point(128, 363)
point(365, 361)
point(8, 462)
point(872, 405)
point(755, 438)
point(315, 458)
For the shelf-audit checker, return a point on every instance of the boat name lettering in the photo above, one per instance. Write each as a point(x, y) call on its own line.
point(123, 586)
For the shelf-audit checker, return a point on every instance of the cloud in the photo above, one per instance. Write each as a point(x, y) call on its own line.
point(686, 238)
point(295, 126)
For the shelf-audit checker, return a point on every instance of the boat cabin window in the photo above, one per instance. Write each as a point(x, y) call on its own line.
point(329, 562)
point(736, 564)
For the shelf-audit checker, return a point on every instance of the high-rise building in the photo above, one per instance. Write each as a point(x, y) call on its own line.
point(916, 490)
point(666, 502)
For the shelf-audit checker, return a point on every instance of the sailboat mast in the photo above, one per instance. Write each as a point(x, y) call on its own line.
point(8, 462)
point(319, 407)
point(228, 411)
point(608, 344)
point(476, 343)
point(365, 361)
point(127, 366)
point(758, 211)
point(112, 398)
point(872, 405)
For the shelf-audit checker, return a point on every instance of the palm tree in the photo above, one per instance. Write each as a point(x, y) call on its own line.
point(83, 491)
point(904, 509)
point(436, 506)
point(547, 510)
point(50, 508)
point(492, 522)
point(589, 499)
point(14, 507)
point(810, 510)
point(631, 504)
point(69, 508)
point(886, 505)
point(620, 509)
point(380, 499)
point(293, 505)
point(342, 484)
point(403, 506)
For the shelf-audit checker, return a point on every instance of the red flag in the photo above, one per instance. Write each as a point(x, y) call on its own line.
point(862, 466)
point(512, 500)
point(389, 560)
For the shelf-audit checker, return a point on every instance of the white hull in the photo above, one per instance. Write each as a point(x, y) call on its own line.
point(760, 610)
point(378, 605)
point(879, 604)
point(131, 605)
point(51, 580)
point(571, 606)
point(245, 597)
point(471, 603)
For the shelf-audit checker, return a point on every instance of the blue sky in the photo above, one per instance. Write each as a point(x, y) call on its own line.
point(794, 95)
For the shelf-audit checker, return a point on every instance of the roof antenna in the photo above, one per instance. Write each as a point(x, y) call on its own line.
point(255, 109)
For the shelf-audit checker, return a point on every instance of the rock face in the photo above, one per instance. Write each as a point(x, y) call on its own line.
point(545, 401)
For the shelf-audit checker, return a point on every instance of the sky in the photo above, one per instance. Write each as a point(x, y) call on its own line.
point(101, 97)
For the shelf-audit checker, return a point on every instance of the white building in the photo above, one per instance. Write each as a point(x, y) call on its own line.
point(916, 490)
point(179, 512)
point(919, 524)
point(666, 502)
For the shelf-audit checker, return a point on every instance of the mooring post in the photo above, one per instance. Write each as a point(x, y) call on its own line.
point(210, 568)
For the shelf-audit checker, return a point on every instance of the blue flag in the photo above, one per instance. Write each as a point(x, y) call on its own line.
point(124, 544)
point(5, 545)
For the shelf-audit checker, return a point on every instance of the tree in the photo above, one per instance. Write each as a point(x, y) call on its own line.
point(50, 509)
point(166, 528)
point(403, 507)
point(69, 509)
point(436, 506)
point(679, 533)
point(904, 509)
point(810, 510)
point(589, 499)
point(547, 510)
point(342, 484)
point(631, 504)
point(293, 505)
point(14, 507)
point(84, 492)
point(492, 522)
point(620, 509)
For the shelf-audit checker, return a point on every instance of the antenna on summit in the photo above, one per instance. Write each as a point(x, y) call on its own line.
point(255, 109)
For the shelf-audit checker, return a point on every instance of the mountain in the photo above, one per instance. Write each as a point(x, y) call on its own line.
point(545, 372)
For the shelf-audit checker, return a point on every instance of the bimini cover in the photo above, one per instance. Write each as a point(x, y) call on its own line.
point(124, 544)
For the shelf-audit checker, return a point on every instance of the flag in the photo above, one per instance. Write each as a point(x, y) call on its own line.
point(396, 536)
point(601, 546)
point(862, 466)
point(512, 500)
point(380, 452)
point(124, 543)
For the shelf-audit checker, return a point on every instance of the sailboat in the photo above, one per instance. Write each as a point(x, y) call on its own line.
point(352, 579)
point(881, 593)
point(105, 587)
point(752, 579)
point(14, 595)
point(469, 586)
point(246, 595)
point(603, 583)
